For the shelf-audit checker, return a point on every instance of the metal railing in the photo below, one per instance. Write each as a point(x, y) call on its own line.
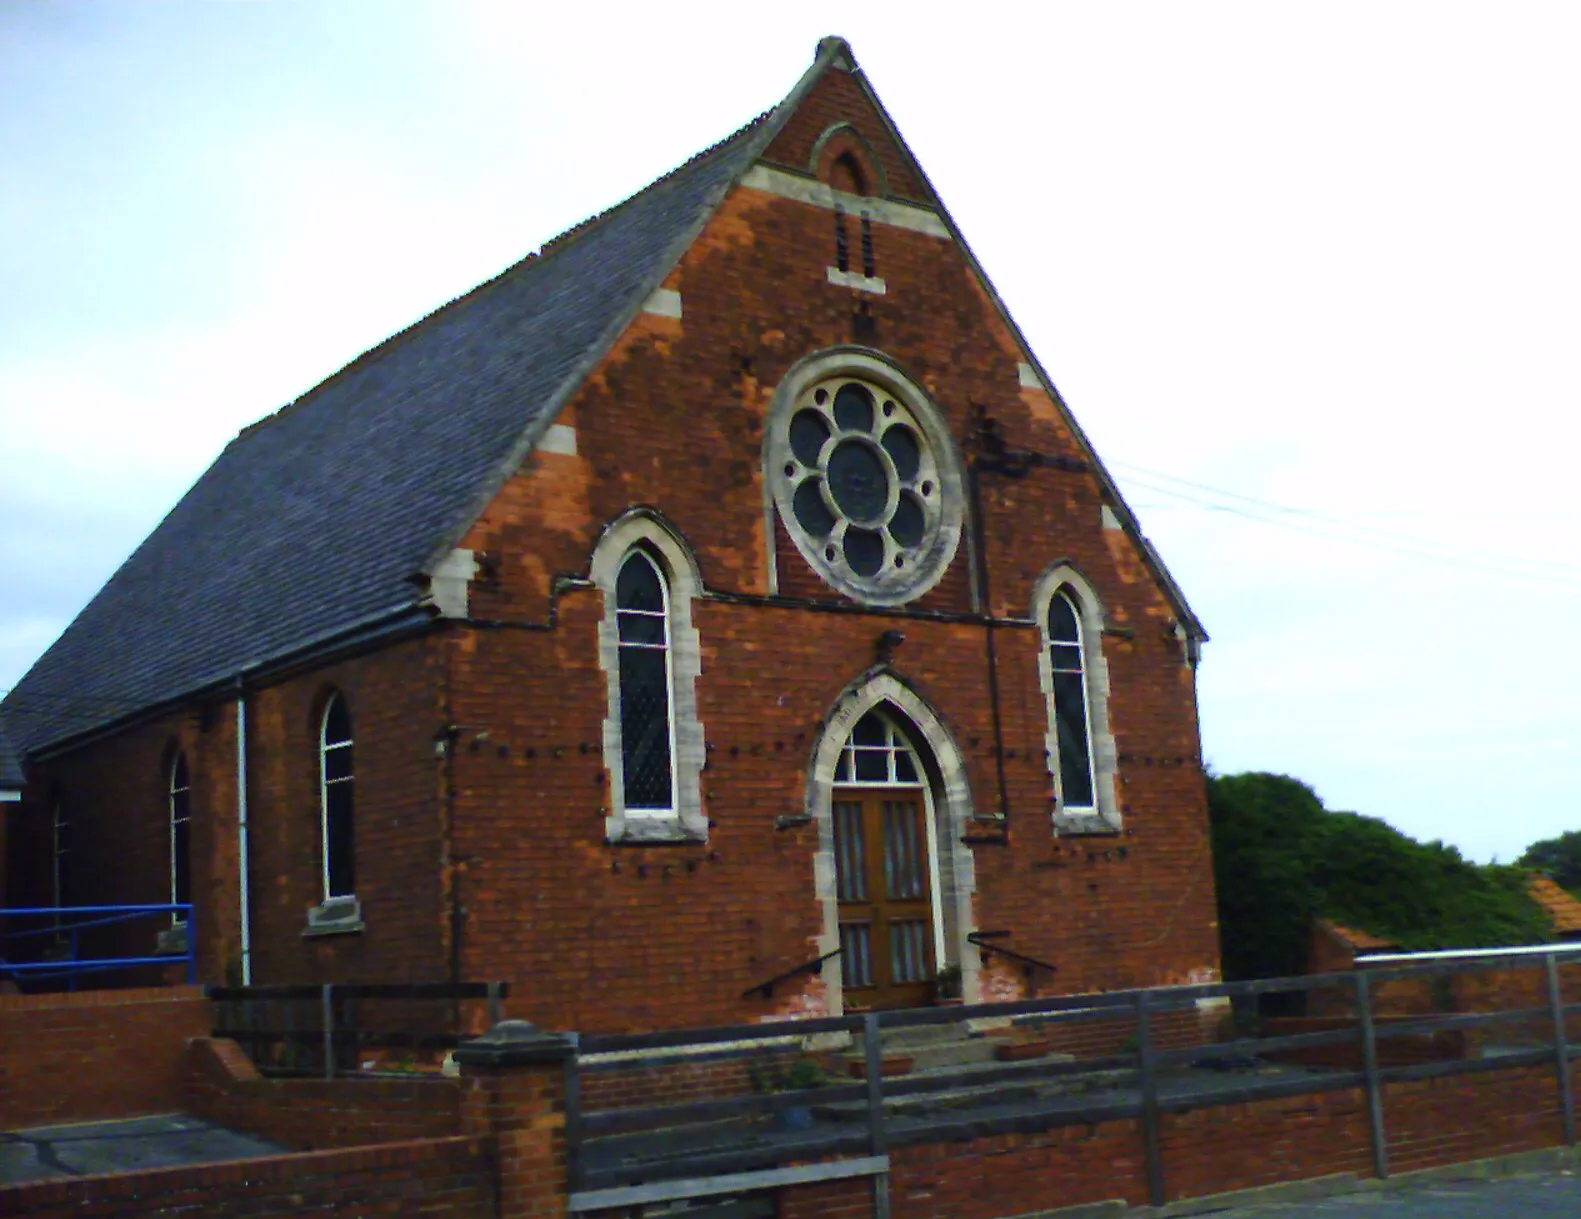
point(1029, 965)
point(325, 1030)
point(58, 946)
point(624, 1154)
point(766, 989)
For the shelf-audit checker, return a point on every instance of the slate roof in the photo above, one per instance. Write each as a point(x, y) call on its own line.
point(316, 519)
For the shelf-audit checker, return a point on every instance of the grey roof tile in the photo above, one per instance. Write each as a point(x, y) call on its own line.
point(10, 763)
point(316, 518)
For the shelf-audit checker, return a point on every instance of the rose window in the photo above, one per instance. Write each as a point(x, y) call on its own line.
point(860, 486)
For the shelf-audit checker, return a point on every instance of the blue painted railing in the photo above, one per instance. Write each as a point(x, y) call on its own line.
point(64, 927)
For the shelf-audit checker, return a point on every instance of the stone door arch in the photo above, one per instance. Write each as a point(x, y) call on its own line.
point(948, 809)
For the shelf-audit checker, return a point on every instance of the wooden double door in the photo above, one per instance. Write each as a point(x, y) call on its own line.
point(886, 896)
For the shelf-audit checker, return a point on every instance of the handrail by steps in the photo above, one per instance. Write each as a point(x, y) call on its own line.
point(977, 938)
point(766, 989)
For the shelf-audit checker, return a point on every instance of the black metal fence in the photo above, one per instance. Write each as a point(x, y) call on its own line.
point(332, 1029)
point(765, 1136)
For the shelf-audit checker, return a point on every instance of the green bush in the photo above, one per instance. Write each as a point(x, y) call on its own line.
point(1281, 860)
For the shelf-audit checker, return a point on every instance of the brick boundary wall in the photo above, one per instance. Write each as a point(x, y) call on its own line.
point(223, 1086)
point(96, 1054)
point(450, 1178)
point(1212, 1150)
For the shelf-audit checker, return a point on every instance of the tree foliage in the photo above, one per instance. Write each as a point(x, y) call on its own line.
point(1281, 860)
point(1559, 858)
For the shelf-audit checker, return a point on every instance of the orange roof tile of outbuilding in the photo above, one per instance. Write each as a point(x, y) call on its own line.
point(1562, 907)
point(1358, 941)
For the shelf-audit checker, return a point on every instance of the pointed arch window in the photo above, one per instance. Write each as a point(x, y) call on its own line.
point(60, 854)
point(179, 799)
point(1075, 680)
point(651, 657)
point(337, 788)
point(1072, 715)
point(647, 723)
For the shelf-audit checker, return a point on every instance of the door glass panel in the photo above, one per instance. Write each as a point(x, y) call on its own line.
point(856, 956)
point(908, 950)
point(904, 857)
point(849, 853)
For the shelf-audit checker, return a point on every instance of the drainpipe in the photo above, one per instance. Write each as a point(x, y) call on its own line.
point(241, 831)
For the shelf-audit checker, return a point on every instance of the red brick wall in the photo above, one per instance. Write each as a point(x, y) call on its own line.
point(311, 1114)
point(447, 1178)
point(115, 792)
point(100, 1054)
point(1212, 1150)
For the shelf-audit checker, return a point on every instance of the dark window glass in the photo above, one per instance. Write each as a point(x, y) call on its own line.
point(645, 727)
point(870, 730)
point(1070, 719)
point(905, 768)
point(853, 408)
point(339, 837)
point(864, 551)
point(906, 525)
point(337, 721)
point(339, 800)
point(858, 481)
point(1065, 657)
point(1062, 620)
point(808, 431)
point(637, 587)
point(180, 839)
point(644, 685)
point(811, 512)
point(181, 849)
point(337, 762)
point(900, 443)
point(872, 765)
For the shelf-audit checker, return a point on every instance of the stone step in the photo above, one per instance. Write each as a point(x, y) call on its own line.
point(958, 1091)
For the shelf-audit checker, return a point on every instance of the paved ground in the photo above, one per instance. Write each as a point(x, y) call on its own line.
point(1552, 1194)
point(161, 1141)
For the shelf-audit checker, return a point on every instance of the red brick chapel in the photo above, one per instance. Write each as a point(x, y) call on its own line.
point(722, 591)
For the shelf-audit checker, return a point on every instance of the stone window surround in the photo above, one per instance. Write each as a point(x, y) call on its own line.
point(948, 800)
point(1104, 818)
point(874, 367)
point(684, 583)
point(335, 914)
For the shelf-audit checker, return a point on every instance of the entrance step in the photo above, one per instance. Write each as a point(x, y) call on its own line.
point(930, 1047)
point(959, 1089)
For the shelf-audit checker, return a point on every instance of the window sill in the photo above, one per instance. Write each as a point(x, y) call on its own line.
point(336, 916)
point(172, 941)
point(636, 830)
point(1091, 825)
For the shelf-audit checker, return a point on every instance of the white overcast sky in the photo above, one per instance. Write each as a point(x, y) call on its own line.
point(1307, 274)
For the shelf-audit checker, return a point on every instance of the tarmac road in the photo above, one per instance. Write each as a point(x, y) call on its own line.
point(1550, 1194)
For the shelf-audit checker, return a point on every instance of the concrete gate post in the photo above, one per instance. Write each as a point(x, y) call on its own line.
point(514, 1081)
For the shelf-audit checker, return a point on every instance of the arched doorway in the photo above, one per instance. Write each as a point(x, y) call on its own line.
point(888, 789)
point(886, 875)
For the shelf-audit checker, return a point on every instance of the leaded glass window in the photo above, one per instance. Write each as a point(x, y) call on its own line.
point(1072, 717)
point(865, 487)
point(180, 835)
point(337, 788)
point(646, 727)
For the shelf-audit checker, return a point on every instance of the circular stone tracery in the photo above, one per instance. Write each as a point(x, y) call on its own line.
point(861, 489)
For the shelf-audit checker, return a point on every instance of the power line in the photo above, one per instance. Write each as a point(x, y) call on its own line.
point(1335, 528)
